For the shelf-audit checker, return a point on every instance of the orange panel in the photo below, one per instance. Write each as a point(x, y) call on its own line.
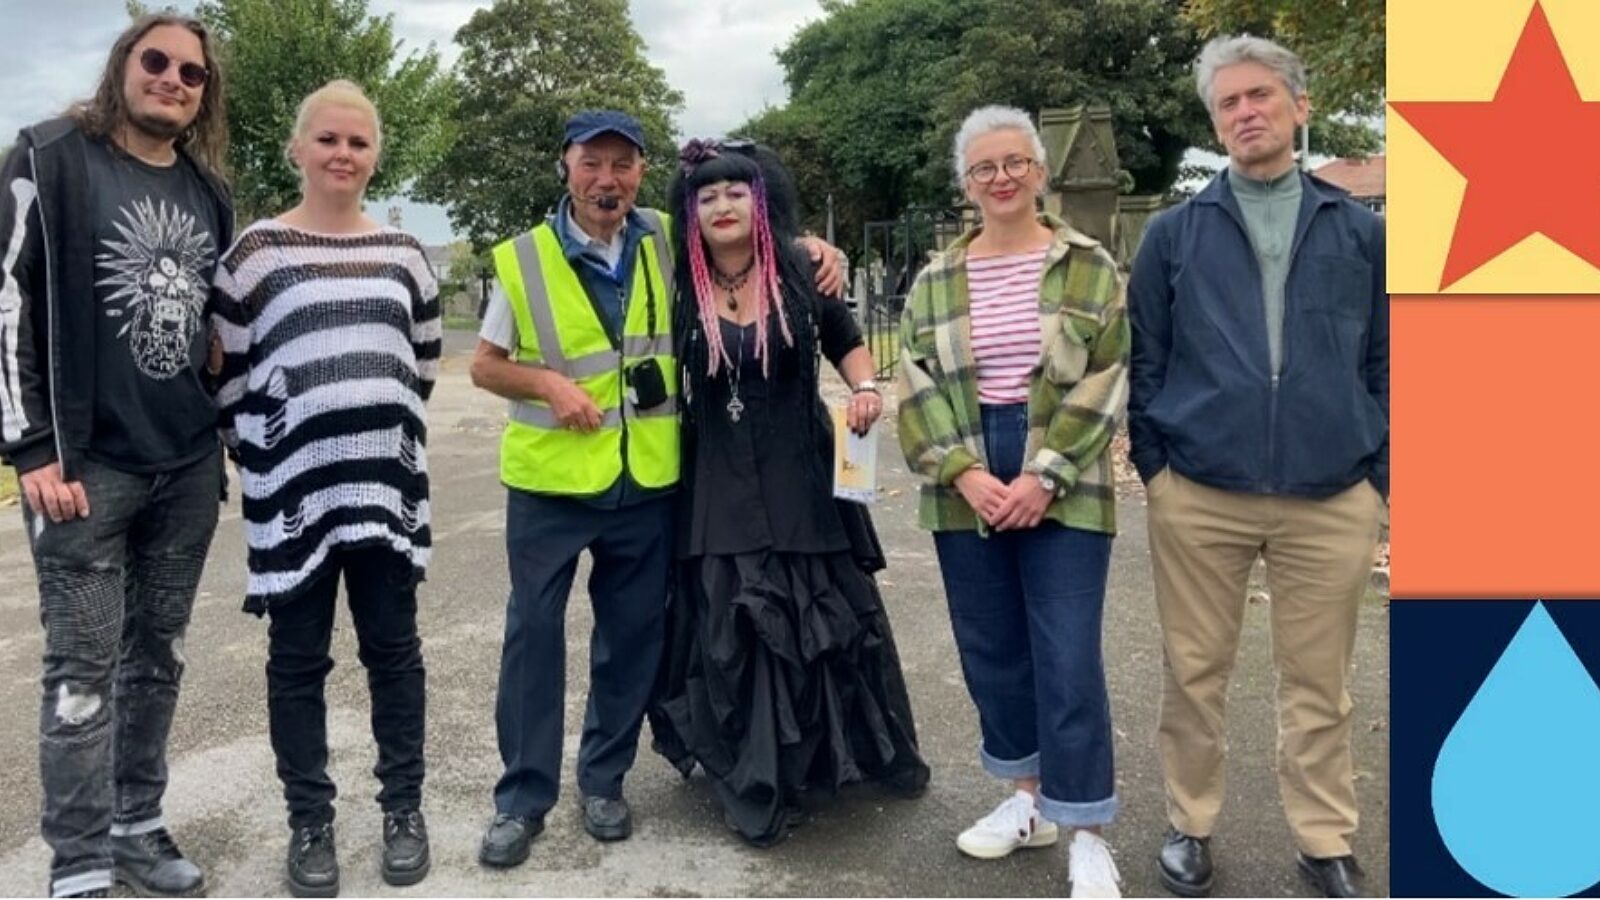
point(1496, 446)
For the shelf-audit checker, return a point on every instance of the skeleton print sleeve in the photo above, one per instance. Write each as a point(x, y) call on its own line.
point(26, 434)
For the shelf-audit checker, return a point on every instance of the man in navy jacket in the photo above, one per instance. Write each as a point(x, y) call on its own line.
point(1259, 418)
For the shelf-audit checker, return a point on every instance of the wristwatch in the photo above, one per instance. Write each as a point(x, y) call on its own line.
point(864, 386)
point(1048, 482)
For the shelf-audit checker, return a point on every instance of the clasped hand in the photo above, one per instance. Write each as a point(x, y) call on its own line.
point(1004, 507)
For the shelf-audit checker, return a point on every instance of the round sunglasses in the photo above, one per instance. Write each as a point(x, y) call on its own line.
point(155, 62)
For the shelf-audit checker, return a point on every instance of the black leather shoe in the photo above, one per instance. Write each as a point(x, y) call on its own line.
point(313, 864)
point(1185, 864)
point(151, 864)
point(405, 847)
point(607, 819)
point(1337, 876)
point(506, 842)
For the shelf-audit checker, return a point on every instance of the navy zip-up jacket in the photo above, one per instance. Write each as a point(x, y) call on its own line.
point(1203, 397)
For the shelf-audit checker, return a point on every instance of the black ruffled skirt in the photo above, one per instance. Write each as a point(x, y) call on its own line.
point(782, 676)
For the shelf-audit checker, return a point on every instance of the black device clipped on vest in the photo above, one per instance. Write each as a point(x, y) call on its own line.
point(648, 384)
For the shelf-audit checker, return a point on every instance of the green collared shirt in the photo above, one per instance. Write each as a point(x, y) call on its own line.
point(1078, 395)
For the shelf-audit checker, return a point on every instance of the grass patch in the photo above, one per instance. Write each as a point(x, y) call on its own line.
point(8, 483)
point(461, 323)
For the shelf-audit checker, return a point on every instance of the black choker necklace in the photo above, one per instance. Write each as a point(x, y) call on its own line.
point(732, 283)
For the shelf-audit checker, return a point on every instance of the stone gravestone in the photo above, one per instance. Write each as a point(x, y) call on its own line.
point(1085, 176)
point(1133, 216)
point(1086, 180)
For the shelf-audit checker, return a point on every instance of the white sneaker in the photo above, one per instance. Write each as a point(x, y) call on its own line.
point(1091, 868)
point(1014, 823)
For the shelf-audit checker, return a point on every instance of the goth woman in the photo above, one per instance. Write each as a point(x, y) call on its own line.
point(782, 678)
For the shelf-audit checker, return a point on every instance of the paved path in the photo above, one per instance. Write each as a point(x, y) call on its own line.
point(225, 803)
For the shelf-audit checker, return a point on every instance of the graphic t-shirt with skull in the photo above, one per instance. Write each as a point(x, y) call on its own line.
point(155, 250)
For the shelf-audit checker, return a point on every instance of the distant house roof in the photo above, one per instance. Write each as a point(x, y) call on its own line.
point(1364, 177)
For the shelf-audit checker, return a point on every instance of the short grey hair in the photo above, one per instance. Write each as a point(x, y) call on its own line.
point(986, 119)
point(1231, 50)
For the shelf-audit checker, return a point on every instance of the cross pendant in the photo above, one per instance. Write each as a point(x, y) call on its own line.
point(735, 407)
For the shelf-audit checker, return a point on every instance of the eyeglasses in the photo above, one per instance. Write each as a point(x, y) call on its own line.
point(1016, 167)
point(156, 62)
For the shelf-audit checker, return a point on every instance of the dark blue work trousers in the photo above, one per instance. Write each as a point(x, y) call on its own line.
point(631, 549)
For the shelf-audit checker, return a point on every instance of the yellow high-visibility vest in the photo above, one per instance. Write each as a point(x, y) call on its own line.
point(558, 328)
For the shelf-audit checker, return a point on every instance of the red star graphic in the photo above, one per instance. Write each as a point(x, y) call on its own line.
point(1536, 124)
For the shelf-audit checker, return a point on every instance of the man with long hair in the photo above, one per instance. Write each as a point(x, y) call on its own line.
point(111, 220)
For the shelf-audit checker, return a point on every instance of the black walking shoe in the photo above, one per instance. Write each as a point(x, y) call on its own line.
point(607, 819)
point(151, 865)
point(1185, 864)
point(505, 843)
point(405, 847)
point(1337, 876)
point(313, 864)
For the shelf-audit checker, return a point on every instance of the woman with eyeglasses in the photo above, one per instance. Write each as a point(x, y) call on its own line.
point(331, 335)
point(1013, 378)
point(782, 676)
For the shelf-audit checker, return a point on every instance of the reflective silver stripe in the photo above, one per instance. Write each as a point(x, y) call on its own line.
point(597, 363)
point(658, 236)
point(537, 295)
point(544, 417)
point(584, 366)
point(636, 346)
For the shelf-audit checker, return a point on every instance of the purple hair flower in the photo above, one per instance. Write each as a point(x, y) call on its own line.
point(698, 151)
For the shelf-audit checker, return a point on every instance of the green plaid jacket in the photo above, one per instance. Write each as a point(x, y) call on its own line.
point(1078, 396)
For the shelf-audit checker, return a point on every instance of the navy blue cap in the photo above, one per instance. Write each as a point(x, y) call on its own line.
point(591, 123)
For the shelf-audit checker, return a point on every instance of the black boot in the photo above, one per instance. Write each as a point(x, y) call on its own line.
point(405, 847)
point(1336, 876)
point(313, 864)
point(151, 864)
point(1185, 864)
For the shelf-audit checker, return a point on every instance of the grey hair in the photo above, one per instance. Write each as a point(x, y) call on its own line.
point(1231, 50)
point(986, 119)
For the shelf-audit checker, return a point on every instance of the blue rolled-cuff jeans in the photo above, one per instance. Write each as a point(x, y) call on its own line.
point(1026, 609)
point(116, 591)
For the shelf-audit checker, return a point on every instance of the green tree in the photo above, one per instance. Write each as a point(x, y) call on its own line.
point(466, 266)
point(863, 84)
point(525, 67)
point(1131, 55)
point(277, 51)
point(879, 87)
point(1342, 43)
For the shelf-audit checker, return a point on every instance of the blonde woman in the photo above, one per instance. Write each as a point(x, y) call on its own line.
point(330, 331)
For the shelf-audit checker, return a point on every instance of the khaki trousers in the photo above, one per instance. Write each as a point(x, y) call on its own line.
point(1319, 554)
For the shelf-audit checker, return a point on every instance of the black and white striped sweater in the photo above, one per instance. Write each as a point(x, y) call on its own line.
point(331, 346)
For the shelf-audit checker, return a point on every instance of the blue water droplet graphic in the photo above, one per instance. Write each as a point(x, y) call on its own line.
point(1516, 788)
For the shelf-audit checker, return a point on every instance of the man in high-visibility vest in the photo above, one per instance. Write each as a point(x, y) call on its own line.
point(578, 338)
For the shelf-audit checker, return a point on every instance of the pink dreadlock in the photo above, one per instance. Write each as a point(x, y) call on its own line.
point(770, 294)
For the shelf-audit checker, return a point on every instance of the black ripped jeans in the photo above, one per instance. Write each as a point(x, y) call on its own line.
point(383, 605)
point(115, 593)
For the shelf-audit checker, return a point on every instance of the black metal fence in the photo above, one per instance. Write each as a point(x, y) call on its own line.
point(894, 251)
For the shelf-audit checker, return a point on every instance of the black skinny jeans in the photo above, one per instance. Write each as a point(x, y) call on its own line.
point(385, 613)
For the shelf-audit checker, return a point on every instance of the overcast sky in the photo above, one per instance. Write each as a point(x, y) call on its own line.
point(57, 48)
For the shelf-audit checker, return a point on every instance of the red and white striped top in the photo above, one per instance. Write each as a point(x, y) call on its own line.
point(1005, 322)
